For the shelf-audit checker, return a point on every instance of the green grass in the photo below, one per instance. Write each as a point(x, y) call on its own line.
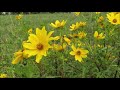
point(59, 64)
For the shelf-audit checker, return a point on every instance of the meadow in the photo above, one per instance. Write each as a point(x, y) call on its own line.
point(88, 49)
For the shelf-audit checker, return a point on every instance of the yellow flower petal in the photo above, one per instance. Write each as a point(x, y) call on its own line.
point(57, 22)
point(72, 53)
point(78, 57)
point(3, 76)
point(67, 40)
point(85, 51)
point(63, 23)
point(50, 33)
point(84, 56)
point(29, 46)
point(18, 53)
point(33, 39)
point(53, 25)
point(44, 32)
point(73, 47)
point(95, 34)
point(31, 52)
point(38, 32)
point(17, 59)
point(38, 58)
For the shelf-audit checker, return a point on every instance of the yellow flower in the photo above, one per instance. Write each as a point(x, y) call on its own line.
point(58, 47)
point(18, 17)
point(101, 25)
point(81, 44)
point(74, 35)
point(113, 18)
point(79, 53)
point(100, 46)
point(79, 35)
point(30, 31)
point(116, 12)
point(19, 56)
point(99, 36)
point(77, 13)
point(82, 34)
point(55, 38)
point(3, 76)
point(38, 44)
point(100, 19)
point(58, 24)
point(81, 24)
point(67, 40)
point(97, 45)
point(97, 12)
point(74, 26)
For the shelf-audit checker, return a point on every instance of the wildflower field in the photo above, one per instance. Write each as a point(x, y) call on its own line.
point(60, 45)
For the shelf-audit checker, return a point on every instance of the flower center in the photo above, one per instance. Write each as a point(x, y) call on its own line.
point(114, 20)
point(75, 36)
point(78, 53)
point(102, 25)
point(39, 46)
point(58, 24)
point(98, 36)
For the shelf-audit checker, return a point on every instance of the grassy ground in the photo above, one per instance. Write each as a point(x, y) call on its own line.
point(60, 64)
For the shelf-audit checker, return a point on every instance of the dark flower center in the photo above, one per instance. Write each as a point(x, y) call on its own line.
point(98, 36)
point(114, 20)
point(39, 46)
point(78, 53)
point(76, 36)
